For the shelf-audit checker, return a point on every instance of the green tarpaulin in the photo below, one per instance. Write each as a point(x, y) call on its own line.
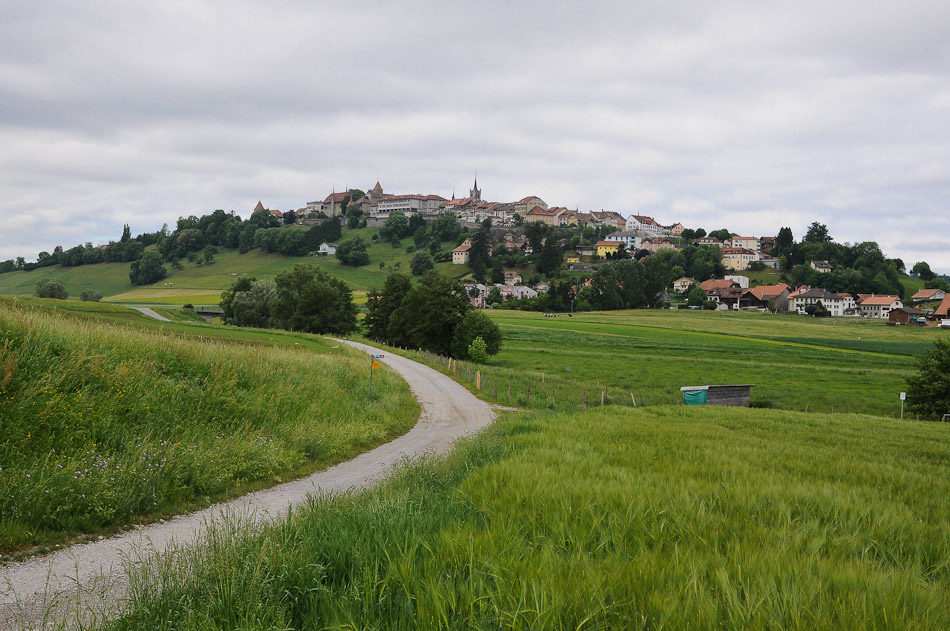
point(694, 397)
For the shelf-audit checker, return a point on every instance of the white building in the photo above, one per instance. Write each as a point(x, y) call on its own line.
point(409, 205)
point(643, 225)
point(629, 239)
point(878, 306)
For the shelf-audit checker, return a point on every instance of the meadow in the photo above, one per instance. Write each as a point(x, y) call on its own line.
point(203, 284)
point(665, 517)
point(108, 418)
point(794, 362)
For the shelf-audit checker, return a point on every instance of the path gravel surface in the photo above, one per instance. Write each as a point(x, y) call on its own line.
point(90, 578)
point(151, 313)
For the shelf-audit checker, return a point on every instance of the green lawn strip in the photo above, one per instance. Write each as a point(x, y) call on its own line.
point(658, 518)
point(107, 420)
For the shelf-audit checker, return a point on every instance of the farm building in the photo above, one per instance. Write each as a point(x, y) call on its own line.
point(732, 395)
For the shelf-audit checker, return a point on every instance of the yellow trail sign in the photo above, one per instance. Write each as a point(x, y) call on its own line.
point(375, 365)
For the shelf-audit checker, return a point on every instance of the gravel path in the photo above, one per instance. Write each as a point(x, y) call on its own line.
point(90, 577)
point(151, 313)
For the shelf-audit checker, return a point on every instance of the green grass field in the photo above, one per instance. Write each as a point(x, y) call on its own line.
point(109, 418)
point(794, 362)
point(658, 518)
point(203, 284)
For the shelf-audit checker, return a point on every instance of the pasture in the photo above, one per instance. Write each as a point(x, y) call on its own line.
point(203, 284)
point(108, 418)
point(794, 362)
point(658, 518)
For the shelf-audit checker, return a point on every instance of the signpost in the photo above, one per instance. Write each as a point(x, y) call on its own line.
point(373, 365)
point(903, 397)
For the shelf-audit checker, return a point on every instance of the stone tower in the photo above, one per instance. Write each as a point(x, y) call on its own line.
point(475, 193)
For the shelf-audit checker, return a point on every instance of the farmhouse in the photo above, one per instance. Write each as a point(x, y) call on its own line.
point(875, 306)
point(461, 254)
point(928, 294)
point(776, 296)
point(327, 249)
point(836, 304)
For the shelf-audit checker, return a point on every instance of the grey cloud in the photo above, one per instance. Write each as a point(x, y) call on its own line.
point(732, 114)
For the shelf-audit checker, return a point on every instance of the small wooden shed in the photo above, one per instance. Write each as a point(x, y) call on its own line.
point(734, 395)
point(903, 315)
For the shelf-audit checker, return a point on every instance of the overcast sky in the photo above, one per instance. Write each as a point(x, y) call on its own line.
point(715, 114)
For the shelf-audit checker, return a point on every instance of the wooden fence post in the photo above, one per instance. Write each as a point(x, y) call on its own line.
point(602, 395)
point(478, 379)
point(494, 387)
point(633, 400)
point(528, 401)
point(509, 392)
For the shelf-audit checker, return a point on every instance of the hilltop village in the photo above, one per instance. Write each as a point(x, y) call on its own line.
point(532, 255)
point(738, 277)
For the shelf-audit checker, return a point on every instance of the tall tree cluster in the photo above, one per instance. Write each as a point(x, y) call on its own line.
point(304, 298)
point(433, 315)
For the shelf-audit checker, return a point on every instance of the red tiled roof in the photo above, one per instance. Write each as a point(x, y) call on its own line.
point(465, 247)
point(716, 283)
point(944, 307)
point(259, 206)
point(763, 292)
point(612, 244)
point(335, 197)
point(882, 300)
point(924, 294)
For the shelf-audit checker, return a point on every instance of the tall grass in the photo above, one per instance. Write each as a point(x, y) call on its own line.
point(103, 424)
point(658, 518)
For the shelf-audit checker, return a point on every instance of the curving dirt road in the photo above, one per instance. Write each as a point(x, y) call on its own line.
point(90, 577)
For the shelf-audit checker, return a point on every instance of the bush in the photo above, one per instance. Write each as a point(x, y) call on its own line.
point(148, 269)
point(475, 324)
point(710, 305)
point(928, 392)
point(49, 288)
point(421, 263)
point(478, 351)
point(90, 295)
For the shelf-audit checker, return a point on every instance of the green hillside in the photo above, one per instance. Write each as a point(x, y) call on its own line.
point(109, 418)
point(202, 284)
point(660, 518)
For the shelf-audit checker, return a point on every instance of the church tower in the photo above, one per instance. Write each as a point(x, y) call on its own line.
point(475, 193)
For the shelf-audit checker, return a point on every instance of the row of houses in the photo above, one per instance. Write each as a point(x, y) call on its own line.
point(378, 204)
point(730, 294)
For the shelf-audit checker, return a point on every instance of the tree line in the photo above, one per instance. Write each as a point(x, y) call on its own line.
point(433, 314)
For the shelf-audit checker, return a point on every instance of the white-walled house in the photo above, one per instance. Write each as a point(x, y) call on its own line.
point(879, 306)
point(327, 249)
point(643, 225)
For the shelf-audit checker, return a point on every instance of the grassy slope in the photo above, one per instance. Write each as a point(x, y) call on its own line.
point(794, 362)
point(106, 278)
point(667, 518)
point(115, 418)
point(202, 284)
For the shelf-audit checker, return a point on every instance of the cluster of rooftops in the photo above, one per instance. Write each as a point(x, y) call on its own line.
point(733, 292)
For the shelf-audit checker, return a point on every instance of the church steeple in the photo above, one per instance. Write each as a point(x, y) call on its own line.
point(475, 193)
